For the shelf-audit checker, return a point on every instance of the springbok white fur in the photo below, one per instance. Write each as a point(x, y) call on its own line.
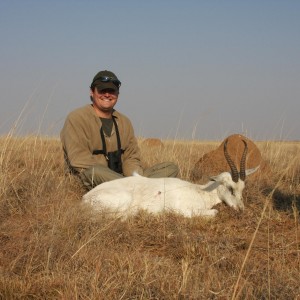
point(126, 196)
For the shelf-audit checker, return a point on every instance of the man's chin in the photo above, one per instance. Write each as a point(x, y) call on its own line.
point(107, 109)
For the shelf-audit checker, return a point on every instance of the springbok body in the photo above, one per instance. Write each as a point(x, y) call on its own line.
point(128, 195)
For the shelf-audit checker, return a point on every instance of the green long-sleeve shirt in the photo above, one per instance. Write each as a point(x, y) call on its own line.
point(80, 136)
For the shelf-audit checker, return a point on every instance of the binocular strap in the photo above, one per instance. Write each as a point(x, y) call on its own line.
point(104, 150)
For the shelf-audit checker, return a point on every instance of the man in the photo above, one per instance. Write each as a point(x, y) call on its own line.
point(99, 142)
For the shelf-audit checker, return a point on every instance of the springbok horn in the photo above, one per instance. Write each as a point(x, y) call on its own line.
point(243, 162)
point(234, 171)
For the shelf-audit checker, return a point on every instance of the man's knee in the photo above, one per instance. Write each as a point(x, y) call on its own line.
point(165, 169)
point(173, 170)
point(96, 175)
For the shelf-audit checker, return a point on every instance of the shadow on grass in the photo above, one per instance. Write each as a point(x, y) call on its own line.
point(286, 202)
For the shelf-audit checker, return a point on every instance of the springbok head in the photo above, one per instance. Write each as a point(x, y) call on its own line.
point(233, 183)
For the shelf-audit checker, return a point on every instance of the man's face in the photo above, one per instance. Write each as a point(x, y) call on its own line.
point(104, 100)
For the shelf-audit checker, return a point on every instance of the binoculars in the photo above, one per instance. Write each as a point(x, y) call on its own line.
point(114, 161)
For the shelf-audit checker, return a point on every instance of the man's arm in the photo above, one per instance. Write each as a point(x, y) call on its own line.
point(75, 144)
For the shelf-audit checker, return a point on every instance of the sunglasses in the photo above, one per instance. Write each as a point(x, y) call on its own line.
point(115, 81)
point(104, 91)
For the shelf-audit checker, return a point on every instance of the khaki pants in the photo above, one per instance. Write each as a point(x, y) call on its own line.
point(98, 174)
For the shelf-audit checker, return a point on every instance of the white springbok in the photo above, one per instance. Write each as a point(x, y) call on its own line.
point(128, 195)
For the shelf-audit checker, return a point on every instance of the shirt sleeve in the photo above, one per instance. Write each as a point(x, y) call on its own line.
point(75, 143)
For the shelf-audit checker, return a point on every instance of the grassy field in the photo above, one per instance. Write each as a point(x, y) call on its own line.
point(52, 247)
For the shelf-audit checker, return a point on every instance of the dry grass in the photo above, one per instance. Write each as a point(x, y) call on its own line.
point(51, 247)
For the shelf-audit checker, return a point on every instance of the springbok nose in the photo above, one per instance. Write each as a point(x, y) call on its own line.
point(241, 206)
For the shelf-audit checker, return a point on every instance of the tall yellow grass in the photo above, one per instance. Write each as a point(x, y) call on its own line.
point(51, 247)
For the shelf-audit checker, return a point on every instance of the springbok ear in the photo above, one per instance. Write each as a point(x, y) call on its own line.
point(216, 178)
point(213, 178)
point(212, 185)
point(250, 171)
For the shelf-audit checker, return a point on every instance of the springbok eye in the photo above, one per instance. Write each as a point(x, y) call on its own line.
point(231, 190)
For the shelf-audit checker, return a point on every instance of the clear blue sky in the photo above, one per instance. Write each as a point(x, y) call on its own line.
point(189, 69)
